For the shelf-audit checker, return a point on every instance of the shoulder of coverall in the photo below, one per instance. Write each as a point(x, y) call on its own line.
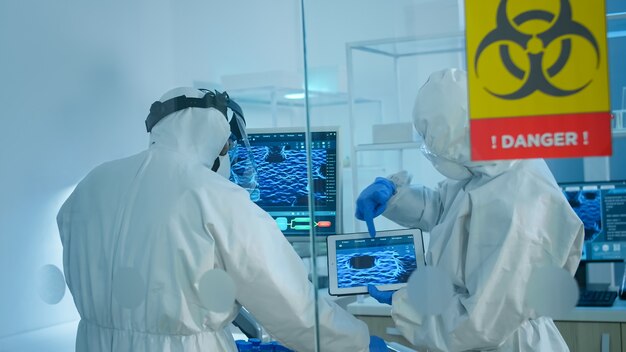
point(521, 179)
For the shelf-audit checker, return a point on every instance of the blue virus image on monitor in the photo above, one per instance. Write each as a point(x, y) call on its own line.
point(377, 261)
point(588, 206)
point(283, 186)
point(601, 206)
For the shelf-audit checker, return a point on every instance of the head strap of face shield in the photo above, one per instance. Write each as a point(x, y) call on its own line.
point(217, 100)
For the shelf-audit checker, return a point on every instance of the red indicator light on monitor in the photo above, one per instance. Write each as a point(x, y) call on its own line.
point(324, 224)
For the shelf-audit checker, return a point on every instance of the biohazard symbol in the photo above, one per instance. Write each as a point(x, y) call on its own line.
point(536, 78)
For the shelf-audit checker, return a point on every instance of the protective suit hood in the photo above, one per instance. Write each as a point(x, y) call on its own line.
point(440, 116)
point(197, 133)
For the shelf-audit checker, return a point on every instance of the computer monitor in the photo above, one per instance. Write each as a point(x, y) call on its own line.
point(281, 161)
point(602, 208)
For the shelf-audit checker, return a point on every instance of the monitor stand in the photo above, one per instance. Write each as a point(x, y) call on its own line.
point(303, 248)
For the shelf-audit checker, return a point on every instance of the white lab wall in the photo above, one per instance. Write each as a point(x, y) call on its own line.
point(332, 24)
point(217, 38)
point(77, 79)
point(72, 88)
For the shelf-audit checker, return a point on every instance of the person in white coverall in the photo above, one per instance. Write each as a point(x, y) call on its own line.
point(491, 224)
point(161, 219)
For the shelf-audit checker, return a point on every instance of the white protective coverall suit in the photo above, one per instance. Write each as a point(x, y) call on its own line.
point(164, 214)
point(490, 224)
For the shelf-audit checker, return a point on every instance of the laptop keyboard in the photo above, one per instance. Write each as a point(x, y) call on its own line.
point(596, 298)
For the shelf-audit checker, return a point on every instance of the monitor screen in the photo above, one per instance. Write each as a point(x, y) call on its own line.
point(281, 161)
point(602, 208)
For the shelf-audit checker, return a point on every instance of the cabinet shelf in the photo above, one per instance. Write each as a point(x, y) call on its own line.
point(411, 46)
point(280, 97)
point(388, 146)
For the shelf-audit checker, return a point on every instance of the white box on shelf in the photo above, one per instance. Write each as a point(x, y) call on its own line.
point(399, 132)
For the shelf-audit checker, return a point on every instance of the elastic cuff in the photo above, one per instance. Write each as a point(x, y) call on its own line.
point(400, 179)
point(387, 183)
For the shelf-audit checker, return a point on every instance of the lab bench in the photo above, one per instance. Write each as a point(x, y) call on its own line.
point(585, 329)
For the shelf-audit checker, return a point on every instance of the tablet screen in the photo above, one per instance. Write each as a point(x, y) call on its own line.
point(387, 261)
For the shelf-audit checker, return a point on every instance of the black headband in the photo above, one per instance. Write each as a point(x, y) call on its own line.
point(217, 100)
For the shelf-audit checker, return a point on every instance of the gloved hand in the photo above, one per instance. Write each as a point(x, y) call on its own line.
point(373, 201)
point(383, 297)
point(377, 344)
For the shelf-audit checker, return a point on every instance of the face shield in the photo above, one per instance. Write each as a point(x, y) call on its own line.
point(243, 170)
point(440, 118)
point(242, 166)
point(448, 168)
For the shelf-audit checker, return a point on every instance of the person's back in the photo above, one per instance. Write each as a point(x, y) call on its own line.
point(135, 280)
point(140, 235)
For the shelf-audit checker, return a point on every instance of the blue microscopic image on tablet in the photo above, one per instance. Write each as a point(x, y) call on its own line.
point(378, 261)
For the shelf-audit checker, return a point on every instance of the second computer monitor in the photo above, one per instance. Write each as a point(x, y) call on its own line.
point(602, 208)
point(281, 161)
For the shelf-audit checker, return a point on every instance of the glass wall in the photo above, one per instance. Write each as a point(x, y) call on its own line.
point(493, 247)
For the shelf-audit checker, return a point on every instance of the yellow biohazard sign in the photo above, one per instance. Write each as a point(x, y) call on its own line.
point(536, 58)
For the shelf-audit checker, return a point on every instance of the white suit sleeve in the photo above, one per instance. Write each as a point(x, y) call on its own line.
point(272, 282)
point(506, 240)
point(413, 206)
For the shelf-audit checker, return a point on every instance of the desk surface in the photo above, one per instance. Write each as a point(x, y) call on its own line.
point(616, 313)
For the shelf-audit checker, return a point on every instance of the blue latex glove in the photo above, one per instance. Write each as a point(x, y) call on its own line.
point(377, 344)
point(373, 201)
point(383, 297)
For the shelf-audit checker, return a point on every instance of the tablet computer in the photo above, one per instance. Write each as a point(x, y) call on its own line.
point(356, 260)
